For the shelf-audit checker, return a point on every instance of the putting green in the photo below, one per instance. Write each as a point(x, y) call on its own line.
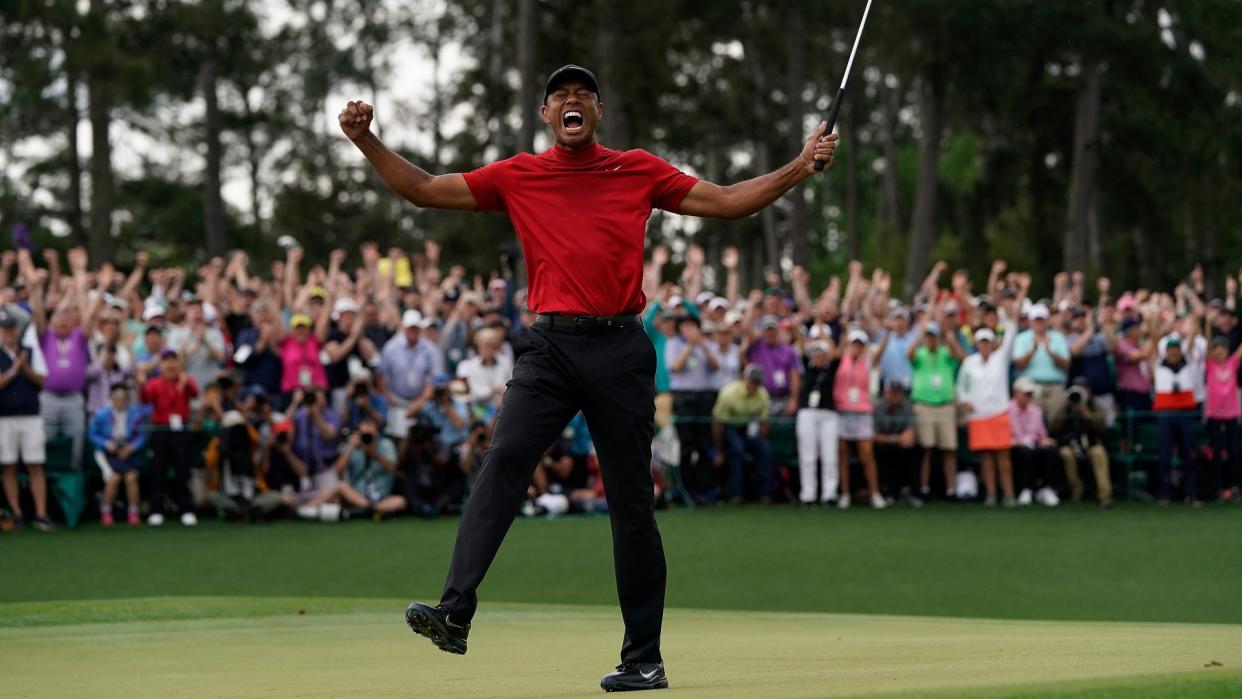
point(333, 648)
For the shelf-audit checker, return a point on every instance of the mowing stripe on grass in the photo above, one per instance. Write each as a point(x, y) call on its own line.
point(546, 650)
point(1133, 563)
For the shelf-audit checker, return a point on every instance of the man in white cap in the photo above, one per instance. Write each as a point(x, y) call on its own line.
point(409, 364)
point(1042, 355)
point(345, 346)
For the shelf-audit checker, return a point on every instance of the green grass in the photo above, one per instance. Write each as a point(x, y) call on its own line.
point(944, 602)
point(1134, 563)
point(287, 646)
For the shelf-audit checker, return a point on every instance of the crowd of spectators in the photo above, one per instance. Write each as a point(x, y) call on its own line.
point(321, 392)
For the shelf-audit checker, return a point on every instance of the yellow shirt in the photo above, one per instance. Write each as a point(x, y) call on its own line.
point(735, 405)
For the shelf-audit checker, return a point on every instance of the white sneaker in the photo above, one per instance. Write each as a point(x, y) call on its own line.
point(330, 512)
point(189, 520)
point(308, 512)
point(1048, 497)
point(156, 519)
point(878, 502)
point(843, 502)
point(1024, 498)
point(950, 494)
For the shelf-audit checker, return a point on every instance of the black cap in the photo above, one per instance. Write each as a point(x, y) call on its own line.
point(7, 320)
point(568, 72)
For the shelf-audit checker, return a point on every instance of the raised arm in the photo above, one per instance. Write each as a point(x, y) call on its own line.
point(745, 198)
point(404, 178)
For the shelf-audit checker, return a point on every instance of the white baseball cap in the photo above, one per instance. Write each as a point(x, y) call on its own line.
point(718, 303)
point(983, 334)
point(343, 305)
point(412, 319)
point(1038, 312)
point(858, 335)
point(1024, 385)
point(153, 309)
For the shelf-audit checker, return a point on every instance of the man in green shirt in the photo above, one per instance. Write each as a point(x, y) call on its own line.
point(933, 366)
point(740, 426)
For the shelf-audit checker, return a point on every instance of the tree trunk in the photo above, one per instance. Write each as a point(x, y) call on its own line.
point(795, 73)
point(437, 98)
point(254, 158)
point(761, 130)
point(891, 218)
point(213, 204)
point(923, 223)
point(528, 28)
point(99, 111)
point(616, 123)
point(74, 210)
point(852, 152)
point(497, 104)
point(1080, 210)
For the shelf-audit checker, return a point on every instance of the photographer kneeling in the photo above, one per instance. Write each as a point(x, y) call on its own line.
point(438, 452)
point(1081, 435)
point(367, 467)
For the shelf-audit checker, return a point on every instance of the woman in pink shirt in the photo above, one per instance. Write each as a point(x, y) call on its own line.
point(299, 355)
point(852, 396)
point(1222, 411)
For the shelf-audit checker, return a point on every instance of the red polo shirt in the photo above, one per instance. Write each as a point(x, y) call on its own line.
point(582, 219)
point(167, 398)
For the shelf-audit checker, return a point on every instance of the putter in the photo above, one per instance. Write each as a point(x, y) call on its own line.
point(836, 101)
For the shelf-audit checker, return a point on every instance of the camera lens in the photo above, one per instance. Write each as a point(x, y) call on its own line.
point(367, 438)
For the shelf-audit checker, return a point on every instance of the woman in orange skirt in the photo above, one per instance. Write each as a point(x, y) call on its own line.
point(983, 394)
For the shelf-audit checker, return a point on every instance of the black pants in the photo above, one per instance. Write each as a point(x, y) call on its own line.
point(610, 377)
point(898, 468)
point(170, 452)
point(1223, 437)
point(693, 410)
point(1034, 467)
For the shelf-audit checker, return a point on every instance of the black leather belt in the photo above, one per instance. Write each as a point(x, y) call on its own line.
point(586, 324)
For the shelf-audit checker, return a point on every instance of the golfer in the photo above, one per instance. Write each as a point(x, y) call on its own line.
point(580, 211)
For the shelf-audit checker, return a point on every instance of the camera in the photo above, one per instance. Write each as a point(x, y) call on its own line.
point(367, 437)
point(361, 390)
point(1076, 395)
point(282, 437)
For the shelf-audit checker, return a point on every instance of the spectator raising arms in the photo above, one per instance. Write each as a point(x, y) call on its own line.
point(933, 366)
point(983, 394)
point(817, 425)
point(1174, 402)
point(1222, 411)
point(852, 396)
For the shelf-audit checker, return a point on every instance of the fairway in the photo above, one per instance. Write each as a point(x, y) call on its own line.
point(547, 650)
point(948, 601)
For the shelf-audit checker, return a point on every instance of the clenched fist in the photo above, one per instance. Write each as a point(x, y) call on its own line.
point(355, 119)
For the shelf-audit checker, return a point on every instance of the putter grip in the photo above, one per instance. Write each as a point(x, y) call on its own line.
point(832, 120)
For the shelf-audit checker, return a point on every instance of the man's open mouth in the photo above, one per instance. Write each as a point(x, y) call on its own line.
point(572, 120)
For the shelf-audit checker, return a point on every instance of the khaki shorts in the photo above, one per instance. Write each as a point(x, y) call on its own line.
point(936, 426)
point(22, 437)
